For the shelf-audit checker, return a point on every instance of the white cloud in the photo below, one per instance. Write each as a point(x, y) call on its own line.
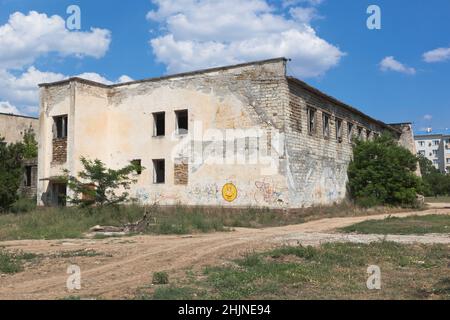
point(437, 55)
point(23, 91)
point(6, 107)
point(304, 15)
point(428, 117)
point(207, 33)
point(27, 37)
point(290, 3)
point(390, 64)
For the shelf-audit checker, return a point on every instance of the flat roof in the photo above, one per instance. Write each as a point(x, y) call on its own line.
point(283, 59)
point(18, 115)
point(177, 75)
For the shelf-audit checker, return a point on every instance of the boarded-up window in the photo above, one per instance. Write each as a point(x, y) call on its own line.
point(181, 173)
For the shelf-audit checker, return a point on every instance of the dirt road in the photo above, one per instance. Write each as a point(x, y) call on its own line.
point(125, 264)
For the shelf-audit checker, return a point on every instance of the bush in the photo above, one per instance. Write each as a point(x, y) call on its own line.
point(23, 205)
point(383, 173)
point(435, 183)
point(160, 278)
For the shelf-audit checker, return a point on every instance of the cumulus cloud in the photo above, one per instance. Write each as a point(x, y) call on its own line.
point(207, 33)
point(304, 15)
point(390, 64)
point(30, 36)
point(437, 55)
point(6, 107)
point(23, 91)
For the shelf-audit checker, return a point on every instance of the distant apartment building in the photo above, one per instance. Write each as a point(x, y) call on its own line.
point(435, 146)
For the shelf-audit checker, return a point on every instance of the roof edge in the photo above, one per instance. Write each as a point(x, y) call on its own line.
point(340, 103)
point(18, 116)
point(177, 75)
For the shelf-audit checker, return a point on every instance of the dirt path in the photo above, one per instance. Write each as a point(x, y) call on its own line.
point(125, 264)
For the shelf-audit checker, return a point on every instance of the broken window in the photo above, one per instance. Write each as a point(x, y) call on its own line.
point(326, 125)
point(159, 171)
point(311, 120)
point(339, 130)
point(159, 124)
point(360, 133)
point(28, 172)
point(182, 124)
point(60, 127)
point(137, 164)
point(368, 134)
point(350, 132)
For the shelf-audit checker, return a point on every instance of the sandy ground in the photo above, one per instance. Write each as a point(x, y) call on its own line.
point(127, 263)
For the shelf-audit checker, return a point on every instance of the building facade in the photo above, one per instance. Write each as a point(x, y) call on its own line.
point(435, 146)
point(243, 135)
point(12, 129)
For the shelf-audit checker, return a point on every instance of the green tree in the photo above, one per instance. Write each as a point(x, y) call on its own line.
point(11, 172)
point(383, 173)
point(99, 185)
point(30, 144)
point(435, 182)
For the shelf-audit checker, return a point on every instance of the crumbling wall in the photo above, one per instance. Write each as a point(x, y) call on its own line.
point(13, 127)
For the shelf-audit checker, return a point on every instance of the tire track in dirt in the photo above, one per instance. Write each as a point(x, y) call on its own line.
point(133, 260)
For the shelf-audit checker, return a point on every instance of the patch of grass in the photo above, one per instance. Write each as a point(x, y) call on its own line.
point(160, 278)
point(12, 262)
point(441, 199)
point(78, 253)
point(408, 225)
point(331, 271)
point(69, 223)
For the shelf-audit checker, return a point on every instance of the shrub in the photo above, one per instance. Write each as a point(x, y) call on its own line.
point(23, 205)
point(383, 173)
point(160, 278)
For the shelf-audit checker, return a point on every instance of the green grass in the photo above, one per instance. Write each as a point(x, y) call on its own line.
point(12, 262)
point(66, 223)
point(402, 226)
point(331, 271)
point(440, 199)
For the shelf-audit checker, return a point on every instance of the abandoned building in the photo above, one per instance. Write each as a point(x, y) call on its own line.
point(290, 144)
point(12, 129)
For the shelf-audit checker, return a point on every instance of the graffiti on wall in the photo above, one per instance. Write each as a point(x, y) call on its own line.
point(270, 192)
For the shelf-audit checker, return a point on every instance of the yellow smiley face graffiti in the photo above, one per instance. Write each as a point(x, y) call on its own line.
point(229, 192)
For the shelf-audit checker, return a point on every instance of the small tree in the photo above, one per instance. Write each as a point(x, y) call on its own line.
point(30, 144)
point(11, 172)
point(382, 172)
point(435, 182)
point(98, 185)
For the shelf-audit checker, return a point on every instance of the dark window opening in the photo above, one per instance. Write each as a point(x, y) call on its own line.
point(159, 175)
point(350, 132)
point(182, 121)
point(360, 132)
point(28, 171)
point(368, 134)
point(339, 130)
point(60, 193)
point(60, 127)
point(326, 125)
point(311, 121)
point(138, 164)
point(159, 120)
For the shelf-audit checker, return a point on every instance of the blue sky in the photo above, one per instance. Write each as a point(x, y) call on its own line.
point(330, 46)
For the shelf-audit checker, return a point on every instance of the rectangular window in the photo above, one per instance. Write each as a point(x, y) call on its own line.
point(311, 120)
point(159, 171)
point(350, 131)
point(435, 152)
point(326, 125)
point(360, 133)
point(437, 142)
point(159, 124)
point(60, 127)
point(339, 130)
point(435, 161)
point(448, 160)
point(137, 163)
point(421, 143)
point(28, 170)
point(368, 134)
point(182, 123)
point(422, 152)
